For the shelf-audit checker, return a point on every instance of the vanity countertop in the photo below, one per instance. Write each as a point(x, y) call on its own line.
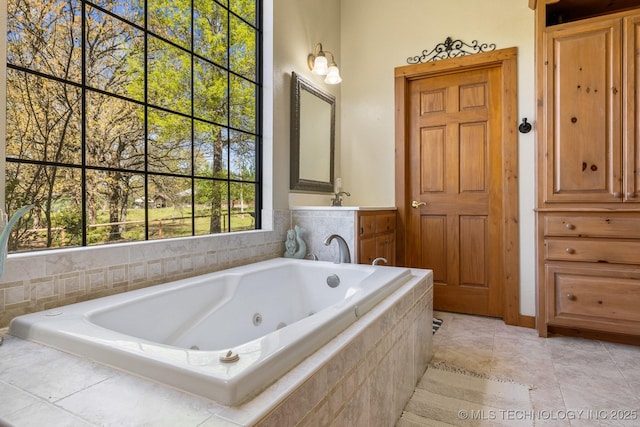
point(343, 208)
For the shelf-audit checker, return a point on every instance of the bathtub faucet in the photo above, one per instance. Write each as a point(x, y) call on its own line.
point(343, 249)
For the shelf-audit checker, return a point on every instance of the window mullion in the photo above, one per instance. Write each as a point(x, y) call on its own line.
point(83, 121)
point(146, 120)
point(193, 133)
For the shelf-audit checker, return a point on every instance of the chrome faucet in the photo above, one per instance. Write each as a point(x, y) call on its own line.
point(337, 201)
point(343, 249)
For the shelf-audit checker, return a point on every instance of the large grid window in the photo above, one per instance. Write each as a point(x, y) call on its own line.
point(132, 120)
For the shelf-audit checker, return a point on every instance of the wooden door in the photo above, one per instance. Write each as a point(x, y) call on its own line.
point(451, 234)
point(455, 177)
point(583, 139)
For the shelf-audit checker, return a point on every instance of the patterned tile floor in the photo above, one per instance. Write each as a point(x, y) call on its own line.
point(577, 382)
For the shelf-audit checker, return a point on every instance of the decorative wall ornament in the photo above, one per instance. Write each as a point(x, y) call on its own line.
point(451, 49)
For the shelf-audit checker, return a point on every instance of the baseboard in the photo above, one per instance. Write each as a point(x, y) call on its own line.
point(527, 321)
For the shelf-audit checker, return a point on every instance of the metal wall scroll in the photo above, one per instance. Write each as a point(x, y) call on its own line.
point(451, 49)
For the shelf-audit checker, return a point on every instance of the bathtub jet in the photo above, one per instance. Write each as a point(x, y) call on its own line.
point(226, 335)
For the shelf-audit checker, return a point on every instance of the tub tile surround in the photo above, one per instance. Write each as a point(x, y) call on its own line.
point(347, 382)
point(372, 376)
point(321, 223)
point(43, 280)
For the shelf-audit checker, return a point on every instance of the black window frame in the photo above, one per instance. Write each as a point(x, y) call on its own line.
point(256, 134)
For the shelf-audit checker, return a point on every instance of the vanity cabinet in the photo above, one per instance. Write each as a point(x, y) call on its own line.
point(370, 232)
point(588, 188)
point(376, 236)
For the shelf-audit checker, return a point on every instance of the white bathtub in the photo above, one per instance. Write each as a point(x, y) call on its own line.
point(272, 314)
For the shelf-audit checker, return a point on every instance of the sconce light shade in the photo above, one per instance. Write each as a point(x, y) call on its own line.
point(320, 65)
point(333, 75)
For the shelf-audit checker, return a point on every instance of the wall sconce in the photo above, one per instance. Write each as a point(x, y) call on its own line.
point(318, 64)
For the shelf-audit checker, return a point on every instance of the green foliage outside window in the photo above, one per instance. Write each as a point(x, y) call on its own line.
point(130, 120)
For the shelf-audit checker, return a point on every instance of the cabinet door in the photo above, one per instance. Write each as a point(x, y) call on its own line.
point(368, 248)
point(386, 247)
point(386, 223)
point(631, 135)
point(367, 225)
point(584, 126)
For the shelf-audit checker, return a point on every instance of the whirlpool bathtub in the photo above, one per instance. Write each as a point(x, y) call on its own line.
point(225, 335)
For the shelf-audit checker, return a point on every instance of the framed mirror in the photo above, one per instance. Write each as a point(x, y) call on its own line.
point(312, 137)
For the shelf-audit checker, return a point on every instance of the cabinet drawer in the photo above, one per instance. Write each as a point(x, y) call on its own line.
point(385, 222)
point(592, 226)
point(591, 250)
point(605, 299)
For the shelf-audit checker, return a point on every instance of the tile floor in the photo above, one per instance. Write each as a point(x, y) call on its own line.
point(577, 382)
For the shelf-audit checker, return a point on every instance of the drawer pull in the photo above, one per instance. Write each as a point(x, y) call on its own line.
point(571, 297)
point(570, 251)
point(570, 226)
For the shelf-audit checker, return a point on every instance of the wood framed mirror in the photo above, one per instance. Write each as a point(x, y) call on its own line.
point(312, 137)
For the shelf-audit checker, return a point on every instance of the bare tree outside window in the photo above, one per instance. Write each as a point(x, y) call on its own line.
point(132, 120)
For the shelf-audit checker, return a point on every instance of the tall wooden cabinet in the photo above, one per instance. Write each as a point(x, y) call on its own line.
point(588, 174)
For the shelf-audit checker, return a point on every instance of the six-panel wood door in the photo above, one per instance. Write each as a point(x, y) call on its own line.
point(456, 179)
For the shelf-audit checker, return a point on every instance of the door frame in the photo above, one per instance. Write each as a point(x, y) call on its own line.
point(506, 60)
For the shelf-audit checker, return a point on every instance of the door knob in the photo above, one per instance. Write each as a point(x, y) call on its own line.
point(415, 204)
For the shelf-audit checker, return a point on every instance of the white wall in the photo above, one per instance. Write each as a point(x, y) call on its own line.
point(377, 36)
point(370, 38)
point(298, 26)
